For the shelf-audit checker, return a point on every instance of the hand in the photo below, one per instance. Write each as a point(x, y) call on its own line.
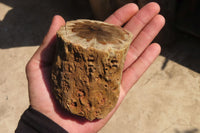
point(144, 24)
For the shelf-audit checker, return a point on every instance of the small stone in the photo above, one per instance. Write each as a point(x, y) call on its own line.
point(88, 66)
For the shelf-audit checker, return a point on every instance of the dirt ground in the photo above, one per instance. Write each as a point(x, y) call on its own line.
point(165, 100)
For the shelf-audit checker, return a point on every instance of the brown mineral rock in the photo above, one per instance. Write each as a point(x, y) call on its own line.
point(88, 66)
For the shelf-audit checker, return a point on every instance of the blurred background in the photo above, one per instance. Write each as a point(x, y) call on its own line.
point(165, 100)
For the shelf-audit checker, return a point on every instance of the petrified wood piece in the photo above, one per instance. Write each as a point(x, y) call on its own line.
point(88, 66)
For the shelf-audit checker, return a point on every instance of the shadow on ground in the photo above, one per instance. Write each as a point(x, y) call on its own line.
point(195, 130)
point(185, 51)
point(28, 21)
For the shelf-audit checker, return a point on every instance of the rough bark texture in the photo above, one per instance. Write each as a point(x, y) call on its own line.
point(88, 67)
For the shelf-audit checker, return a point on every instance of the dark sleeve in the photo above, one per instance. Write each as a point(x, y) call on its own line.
point(33, 121)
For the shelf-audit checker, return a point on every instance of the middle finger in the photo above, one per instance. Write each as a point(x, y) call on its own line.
point(138, 21)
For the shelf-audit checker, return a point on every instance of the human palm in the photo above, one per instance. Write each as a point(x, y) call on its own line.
point(144, 24)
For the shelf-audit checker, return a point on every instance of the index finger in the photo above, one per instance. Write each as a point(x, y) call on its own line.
point(122, 15)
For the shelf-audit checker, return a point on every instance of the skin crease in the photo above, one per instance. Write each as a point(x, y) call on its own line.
point(145, 24)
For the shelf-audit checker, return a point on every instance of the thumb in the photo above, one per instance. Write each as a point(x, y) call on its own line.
point(57, 22)
point(44, 52)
